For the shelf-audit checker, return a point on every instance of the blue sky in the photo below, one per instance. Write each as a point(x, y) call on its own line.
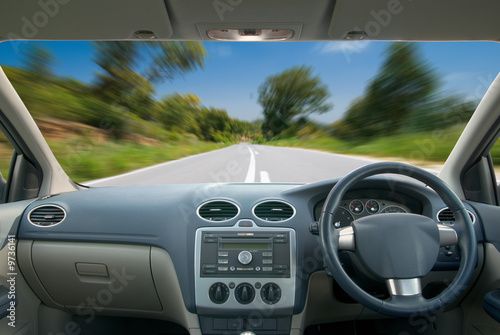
point(234, 71)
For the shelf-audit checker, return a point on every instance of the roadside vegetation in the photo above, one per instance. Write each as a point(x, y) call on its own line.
point(117, 122)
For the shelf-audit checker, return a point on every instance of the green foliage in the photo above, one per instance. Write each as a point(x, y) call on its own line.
point(103, 159)
point(38, 62)
point(128, 82)
point(179, 112)
point(415, 148)
point(404, 88)
point(291, 94)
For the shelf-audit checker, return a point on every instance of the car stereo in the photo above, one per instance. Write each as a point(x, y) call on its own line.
point(245, 267)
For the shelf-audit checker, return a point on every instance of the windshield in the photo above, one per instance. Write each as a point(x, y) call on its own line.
point(135, 113)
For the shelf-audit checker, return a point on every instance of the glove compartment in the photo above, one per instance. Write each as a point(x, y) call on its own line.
point(95, 277)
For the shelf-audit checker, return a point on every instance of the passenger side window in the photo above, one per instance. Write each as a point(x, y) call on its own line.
point(495, 157)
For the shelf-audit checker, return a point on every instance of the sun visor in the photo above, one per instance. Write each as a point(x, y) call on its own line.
point(84, 20)
point(414, 20)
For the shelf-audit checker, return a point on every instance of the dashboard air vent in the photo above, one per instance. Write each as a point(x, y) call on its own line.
point(46, 216)
point(446, 215)
point(274, 211)
point(219, 210)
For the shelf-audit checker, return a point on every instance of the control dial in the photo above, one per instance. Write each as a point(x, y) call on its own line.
point(244, 293)
point(218, 293)
point(270, 293)
point(245, 257)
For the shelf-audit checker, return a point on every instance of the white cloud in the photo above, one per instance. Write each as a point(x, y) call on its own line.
point(457, 76)
point(344, 47)
point(224, 50)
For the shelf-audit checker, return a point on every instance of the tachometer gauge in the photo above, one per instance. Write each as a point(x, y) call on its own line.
point(393, 209)
point(342, 218)
point(356, 206)
point(372, 206)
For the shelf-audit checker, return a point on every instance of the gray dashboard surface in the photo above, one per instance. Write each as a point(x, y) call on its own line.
point(165, 216)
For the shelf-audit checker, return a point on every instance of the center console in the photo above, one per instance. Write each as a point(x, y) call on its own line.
point(245, 277)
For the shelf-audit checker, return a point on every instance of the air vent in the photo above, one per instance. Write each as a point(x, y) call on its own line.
point(46, 216)
point(274, 211)
point(218, 210)
point(446, 215)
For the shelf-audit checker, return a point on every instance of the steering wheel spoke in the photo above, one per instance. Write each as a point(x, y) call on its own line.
point(346, 239)
point(447, 235)
point(404, 287)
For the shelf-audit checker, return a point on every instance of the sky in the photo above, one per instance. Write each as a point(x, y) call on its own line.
point(234, 71)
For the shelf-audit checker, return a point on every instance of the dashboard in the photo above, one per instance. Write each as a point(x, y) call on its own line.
point(221, 252)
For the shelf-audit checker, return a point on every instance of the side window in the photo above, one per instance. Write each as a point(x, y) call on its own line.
point(495, 157)
point(6, 151)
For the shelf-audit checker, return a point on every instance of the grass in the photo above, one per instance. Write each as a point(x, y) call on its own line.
point(416, 148)
point(84, 160)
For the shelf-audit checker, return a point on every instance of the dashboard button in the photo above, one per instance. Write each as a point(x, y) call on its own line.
point(234, 324)
point(223, 254)
point(267, 254)
point(219, 324)
point(222, 261)
point(269, 324)
point(209, 268)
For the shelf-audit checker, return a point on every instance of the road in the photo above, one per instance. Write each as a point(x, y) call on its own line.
point(242, 163)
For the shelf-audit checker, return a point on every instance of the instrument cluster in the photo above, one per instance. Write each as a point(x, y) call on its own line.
point(352, 209)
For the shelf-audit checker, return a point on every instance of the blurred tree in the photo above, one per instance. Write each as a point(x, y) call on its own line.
point(130, 69)
point(214, 125)
point(38, 61)
point(405, 84)
point(292, 93)
point(179, 112)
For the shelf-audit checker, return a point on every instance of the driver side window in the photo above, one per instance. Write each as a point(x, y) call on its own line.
point(6, 151)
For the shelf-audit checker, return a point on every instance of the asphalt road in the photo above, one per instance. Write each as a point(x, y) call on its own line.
point(242, 163)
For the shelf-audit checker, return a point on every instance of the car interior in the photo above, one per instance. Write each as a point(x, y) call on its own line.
point(252, 258)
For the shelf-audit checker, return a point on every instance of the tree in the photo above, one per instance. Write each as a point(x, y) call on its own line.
point(291, 94)
point(179, 111)
point(130, 69)
point(38, 61)
point(404, 85)
point(214, 124)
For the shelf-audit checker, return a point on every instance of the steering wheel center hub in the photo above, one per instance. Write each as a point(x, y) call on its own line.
point(397, 246)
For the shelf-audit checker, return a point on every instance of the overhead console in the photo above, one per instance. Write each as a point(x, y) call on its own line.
point(245, 278)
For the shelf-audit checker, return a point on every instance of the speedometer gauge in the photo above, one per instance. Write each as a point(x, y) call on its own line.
point(342, 218)
point(393, 209)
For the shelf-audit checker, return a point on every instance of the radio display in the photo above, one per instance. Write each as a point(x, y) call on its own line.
point(254, 246)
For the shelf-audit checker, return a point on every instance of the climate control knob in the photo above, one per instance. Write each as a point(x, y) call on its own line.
point(245, 257)
point(218, 293)
point(270, 293)
point(244, 293)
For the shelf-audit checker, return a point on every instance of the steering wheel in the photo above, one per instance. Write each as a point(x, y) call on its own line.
point(398, 248)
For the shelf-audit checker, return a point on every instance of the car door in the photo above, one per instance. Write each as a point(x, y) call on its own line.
point(30, 172)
